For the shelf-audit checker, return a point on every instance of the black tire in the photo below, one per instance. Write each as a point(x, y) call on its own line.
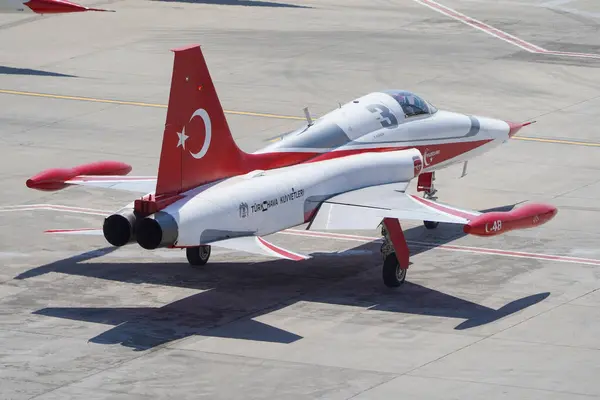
point(197, 256)
point(431, 224)
point(393, 275)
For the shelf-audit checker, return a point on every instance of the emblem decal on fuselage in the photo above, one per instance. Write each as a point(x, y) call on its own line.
point(243, 210)
point(429, 155)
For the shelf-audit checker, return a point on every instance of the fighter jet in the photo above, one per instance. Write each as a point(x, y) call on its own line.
point(43, 7)
point(347, 170)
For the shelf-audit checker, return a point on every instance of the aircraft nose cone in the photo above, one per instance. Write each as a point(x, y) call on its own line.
point(514, 127)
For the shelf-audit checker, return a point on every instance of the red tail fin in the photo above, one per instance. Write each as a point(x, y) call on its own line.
point(197, 144)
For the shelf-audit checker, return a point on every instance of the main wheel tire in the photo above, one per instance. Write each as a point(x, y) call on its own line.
point(393, 275)
point(431, 224)
point(197, 256)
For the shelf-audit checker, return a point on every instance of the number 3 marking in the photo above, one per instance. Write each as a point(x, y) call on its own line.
point(389, 120)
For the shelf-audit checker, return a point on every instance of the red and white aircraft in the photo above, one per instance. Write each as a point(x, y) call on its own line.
point(347, 170)
point(43, 7)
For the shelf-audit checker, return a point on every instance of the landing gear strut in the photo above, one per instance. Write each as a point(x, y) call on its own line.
point(198, 256)
point(425, 184)
point(394, 252)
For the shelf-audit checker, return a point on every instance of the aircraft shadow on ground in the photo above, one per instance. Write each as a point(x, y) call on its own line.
point(32, 72)
point(246, 3)
point(234, 293)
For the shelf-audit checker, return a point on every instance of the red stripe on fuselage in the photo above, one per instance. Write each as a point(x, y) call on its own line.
point(439, 152)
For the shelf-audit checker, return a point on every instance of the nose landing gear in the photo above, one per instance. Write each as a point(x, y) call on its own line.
point(425, 184)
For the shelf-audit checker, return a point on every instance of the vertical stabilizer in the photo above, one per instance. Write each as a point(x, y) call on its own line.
point(197, 144)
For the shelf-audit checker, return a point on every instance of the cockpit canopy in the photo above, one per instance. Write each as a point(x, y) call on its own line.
point(411, 104)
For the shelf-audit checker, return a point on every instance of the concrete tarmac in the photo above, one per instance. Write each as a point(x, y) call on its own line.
point(81, 320)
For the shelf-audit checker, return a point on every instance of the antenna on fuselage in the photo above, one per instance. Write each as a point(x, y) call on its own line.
point(464, 171)
point(308, 118)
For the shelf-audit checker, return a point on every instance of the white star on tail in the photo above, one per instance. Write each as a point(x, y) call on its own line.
point(182, 138)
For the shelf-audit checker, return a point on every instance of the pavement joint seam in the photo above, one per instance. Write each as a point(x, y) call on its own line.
point(3, 329)
point(547, 343)
point(372, 387)
point(101, 370)
point(575, 189)
point(58, 121)
point(565, 107)
point(504, 385)
point(411, 371)
point(393, 375)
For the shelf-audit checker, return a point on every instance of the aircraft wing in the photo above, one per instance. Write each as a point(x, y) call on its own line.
point(365, 208)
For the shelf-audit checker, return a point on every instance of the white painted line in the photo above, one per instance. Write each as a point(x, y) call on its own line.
point(497, 33)
point(347, 237)
point(52, 207)
point(448, 247)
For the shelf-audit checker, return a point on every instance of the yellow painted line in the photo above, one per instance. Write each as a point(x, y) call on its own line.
point(90, 99)
point(558, 141)
point(137, 103)
point(247, 113)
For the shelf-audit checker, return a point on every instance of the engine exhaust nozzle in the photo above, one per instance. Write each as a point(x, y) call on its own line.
point(157, 230)
point(118, 229)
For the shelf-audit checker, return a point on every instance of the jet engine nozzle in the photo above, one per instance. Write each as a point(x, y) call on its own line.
point(157, 230)
point(119, 228)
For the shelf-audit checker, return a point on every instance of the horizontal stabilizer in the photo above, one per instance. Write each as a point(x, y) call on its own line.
point(258, 245)
point(135, 184)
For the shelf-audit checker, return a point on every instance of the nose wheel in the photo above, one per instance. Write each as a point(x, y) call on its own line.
point(429, 194)
point(198, 256)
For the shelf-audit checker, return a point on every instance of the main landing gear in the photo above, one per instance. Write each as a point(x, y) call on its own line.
point(394, 252)
point(197, 256)
point(425, 184)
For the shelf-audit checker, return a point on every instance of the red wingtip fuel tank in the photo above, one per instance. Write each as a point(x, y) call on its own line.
point(58, 7)
point(55, 178)
point(496, 223)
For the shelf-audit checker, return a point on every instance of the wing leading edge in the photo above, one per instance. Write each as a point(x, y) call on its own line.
point(365, 208)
